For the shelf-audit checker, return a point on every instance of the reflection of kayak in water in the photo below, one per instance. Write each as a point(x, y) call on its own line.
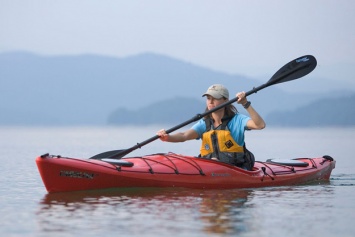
point(110, 196)
point(60, 174)
point(152, 207)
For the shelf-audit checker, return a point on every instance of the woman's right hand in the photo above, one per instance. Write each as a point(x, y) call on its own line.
point(163, 135)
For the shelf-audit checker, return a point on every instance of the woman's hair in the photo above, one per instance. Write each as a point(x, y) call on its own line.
point(229, 110)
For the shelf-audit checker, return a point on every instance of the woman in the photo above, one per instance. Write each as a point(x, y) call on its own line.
point(222, 131)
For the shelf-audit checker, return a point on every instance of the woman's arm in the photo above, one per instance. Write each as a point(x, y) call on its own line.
point(256, 121)
point(177, 137)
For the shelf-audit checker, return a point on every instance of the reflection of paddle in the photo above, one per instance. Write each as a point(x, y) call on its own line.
point(293, 70)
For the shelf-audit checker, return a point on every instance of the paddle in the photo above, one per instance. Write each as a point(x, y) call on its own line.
point(295, 69)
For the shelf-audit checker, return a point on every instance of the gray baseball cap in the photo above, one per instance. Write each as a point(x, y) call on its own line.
point(217, 91)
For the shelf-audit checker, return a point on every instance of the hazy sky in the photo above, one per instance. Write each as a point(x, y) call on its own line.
point(247, 37)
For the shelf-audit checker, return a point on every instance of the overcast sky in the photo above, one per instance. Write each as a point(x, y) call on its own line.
point(247, 37)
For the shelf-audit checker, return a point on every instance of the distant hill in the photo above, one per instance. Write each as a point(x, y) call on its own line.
point(324, 112)
point(85, 89)
point(92, 89)
point(171, 111)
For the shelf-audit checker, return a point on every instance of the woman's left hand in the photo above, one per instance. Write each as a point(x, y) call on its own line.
point(242, 99)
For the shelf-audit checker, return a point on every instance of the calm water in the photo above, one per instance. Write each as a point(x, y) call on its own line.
point(326, 209)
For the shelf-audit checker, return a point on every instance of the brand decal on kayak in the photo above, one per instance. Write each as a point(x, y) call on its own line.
point(220, 174)
point(76, 174)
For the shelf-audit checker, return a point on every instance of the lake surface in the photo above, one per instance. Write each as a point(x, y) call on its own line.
point(325, 209)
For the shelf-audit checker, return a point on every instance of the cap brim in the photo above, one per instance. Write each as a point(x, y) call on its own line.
point(214, 95)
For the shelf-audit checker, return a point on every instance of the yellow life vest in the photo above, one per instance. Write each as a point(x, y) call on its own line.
point(219, 143)
point(215, 141)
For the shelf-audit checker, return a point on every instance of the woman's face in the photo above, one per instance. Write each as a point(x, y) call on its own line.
point(212, 102)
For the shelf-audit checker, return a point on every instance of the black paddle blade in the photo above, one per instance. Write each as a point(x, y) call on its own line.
point(106, 154)
point(121, 153)
point(115, 154)
point(295, 69)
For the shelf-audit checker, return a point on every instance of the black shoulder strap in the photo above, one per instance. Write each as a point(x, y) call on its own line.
point(208, 123)
point(225, 121)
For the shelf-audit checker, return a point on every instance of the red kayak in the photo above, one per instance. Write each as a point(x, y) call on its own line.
point(62, 174)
